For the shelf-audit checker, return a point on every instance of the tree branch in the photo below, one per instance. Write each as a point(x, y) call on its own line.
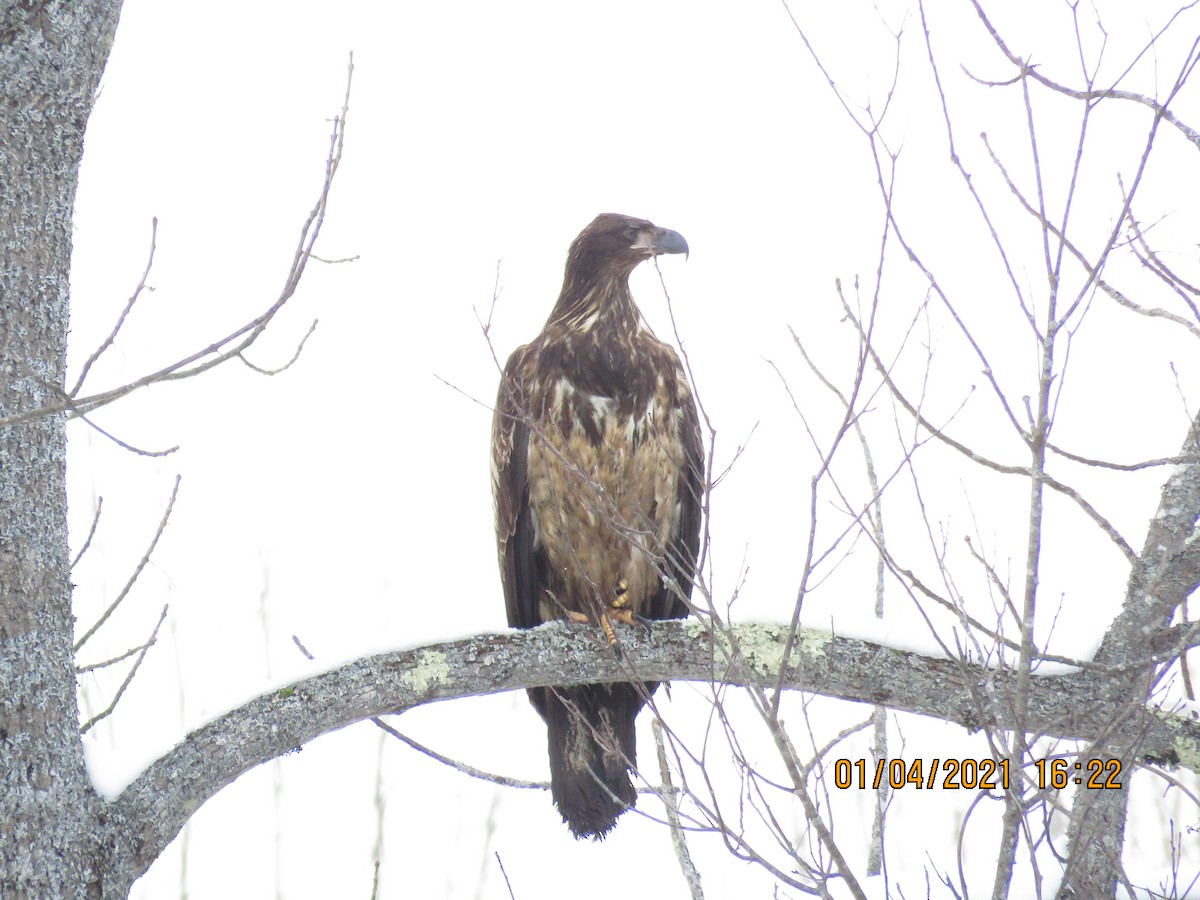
point(153, 809)
point(1168, 568)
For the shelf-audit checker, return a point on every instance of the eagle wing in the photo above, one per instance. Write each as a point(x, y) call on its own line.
point(683, 546)
point(510, 494)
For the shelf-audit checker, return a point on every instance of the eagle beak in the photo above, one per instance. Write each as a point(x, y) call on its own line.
point(662, 240)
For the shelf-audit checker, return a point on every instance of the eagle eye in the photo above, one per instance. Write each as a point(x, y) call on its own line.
point(630, 233)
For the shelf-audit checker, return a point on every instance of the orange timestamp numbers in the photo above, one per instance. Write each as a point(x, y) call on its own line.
point(956, 773)
point(1096, 774)
point(950, 774)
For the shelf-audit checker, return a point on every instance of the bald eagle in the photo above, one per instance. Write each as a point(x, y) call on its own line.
point(597, 477)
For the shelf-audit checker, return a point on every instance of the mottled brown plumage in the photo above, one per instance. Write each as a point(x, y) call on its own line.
point(597, 478)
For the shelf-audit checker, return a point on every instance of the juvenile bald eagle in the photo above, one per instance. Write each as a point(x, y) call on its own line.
point(597, 477)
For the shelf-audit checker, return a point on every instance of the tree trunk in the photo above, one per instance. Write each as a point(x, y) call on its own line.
point(51, 57)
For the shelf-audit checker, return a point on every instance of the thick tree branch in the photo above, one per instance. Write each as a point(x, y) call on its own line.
point(152, 810)
point(1168, 568)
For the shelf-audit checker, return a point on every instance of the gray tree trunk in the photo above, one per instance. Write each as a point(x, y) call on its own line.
point(51, 57)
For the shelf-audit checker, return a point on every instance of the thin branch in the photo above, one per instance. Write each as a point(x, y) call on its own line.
point(464, 768)
point(91, 533)
point(1122, 467)
point(1151, 261)
point(1107, 527)
point(137, 451)
point(136, 572)
point(128, 678)
point(1161, 111)
point(92, 667)
point(507, 884)
point(133, 298)
point(669, 794)
point(287, 365)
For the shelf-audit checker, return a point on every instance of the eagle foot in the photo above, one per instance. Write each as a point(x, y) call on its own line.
point(606, 619)
point(624, 616)
point(641, 620)
point(614, 614)
point(610, 633)
point(622, 599)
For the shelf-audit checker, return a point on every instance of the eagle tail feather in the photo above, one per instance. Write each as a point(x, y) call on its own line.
point(592, 747)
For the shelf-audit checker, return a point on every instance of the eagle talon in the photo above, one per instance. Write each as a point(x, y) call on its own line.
point(624, 616)
point(613, 641)
point(622, 598)
point(605, 621)
point(609, 632)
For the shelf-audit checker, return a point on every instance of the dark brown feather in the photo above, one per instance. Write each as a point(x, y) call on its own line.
point(597, 478)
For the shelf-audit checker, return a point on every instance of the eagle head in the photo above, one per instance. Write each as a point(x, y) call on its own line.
point(614, 244)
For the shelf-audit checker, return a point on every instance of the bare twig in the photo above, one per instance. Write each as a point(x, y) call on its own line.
point(1161, 110)
point(137, 570)
point(91, 533)
point(507, 884)
point(112, 335)
point(128, 678)
point(502, 780)
point(669, 795)
point(287, 365)
point(137, 451)
point(92, 667)
point(1107, 527)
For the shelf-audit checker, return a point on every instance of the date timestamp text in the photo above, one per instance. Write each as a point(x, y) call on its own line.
point(956, 773)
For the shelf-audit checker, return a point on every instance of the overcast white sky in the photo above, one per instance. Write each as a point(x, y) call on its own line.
point(347, 500)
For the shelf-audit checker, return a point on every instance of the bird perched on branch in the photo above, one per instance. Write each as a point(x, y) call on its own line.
point(597, 477)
